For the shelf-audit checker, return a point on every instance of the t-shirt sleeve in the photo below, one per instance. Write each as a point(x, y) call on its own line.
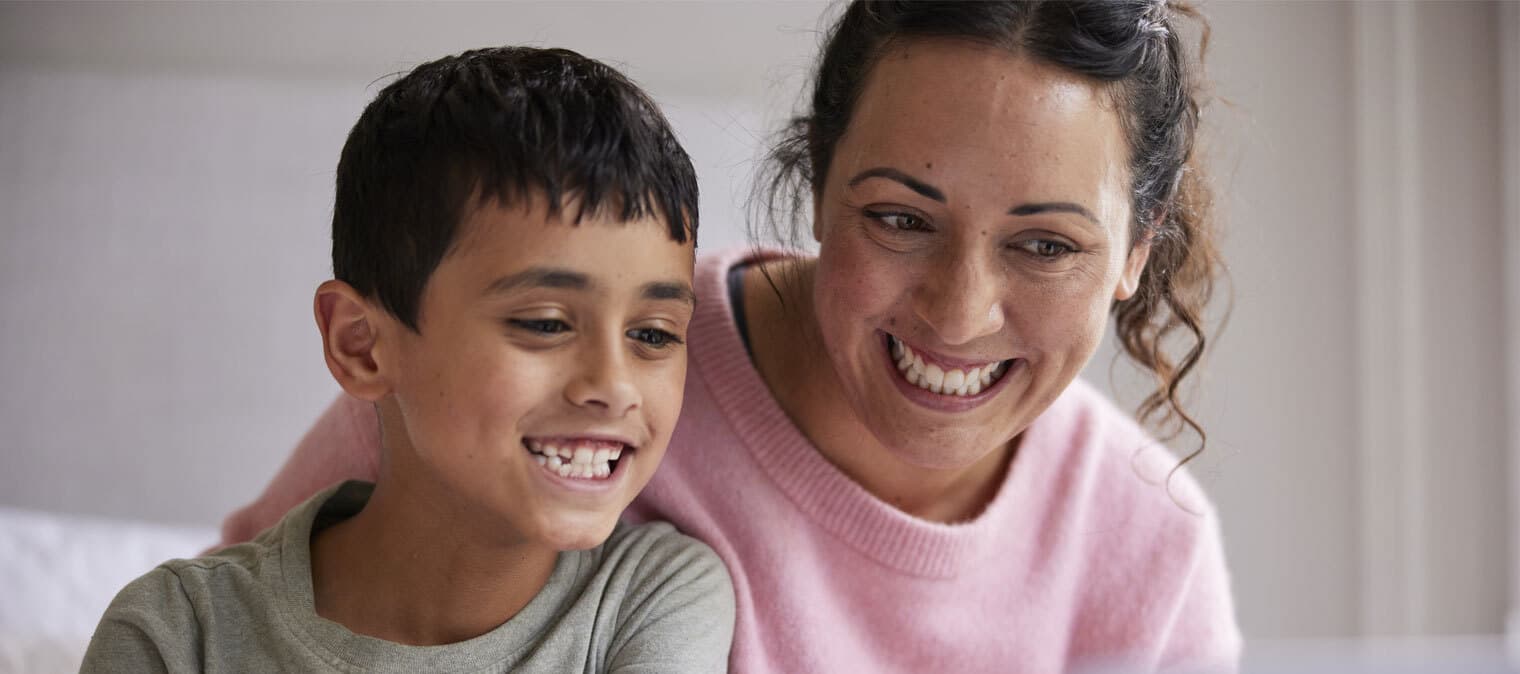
point(149, 627)
point(1204, 636)
point(344, 444)
point(679, 616)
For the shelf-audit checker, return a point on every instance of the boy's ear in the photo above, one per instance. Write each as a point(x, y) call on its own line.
point(350, 334)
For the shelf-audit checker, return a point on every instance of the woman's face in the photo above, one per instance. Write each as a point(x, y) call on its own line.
point(973, 231)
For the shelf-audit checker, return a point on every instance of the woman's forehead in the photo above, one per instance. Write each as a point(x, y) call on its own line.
point(947, 87)
point(964, 108)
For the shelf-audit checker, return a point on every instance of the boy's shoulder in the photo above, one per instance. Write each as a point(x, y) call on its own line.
point(652, 553)
point(177, 616)
point(158, 620)
point(658, 596)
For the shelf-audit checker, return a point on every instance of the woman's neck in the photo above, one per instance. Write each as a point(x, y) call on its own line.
point(411, 569)
point(791, 358)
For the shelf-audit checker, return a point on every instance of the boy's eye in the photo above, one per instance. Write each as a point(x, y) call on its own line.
point(543, 326)
point(654, 337)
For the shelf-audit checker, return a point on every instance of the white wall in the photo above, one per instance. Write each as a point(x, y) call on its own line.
point(167, 198)
point(165, 190)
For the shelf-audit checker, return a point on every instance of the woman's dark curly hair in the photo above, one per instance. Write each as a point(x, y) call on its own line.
point(1130, 47)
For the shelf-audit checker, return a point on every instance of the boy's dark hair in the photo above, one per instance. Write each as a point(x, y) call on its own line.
point(506, 124)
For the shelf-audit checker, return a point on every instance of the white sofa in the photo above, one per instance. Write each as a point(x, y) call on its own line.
point(59, 572)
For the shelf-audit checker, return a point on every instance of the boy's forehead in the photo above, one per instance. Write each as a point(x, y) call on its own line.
point(496, 240)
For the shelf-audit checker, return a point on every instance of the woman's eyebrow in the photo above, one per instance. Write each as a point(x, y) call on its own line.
point(934, 193)
point(908, 181)
point(1054, 207)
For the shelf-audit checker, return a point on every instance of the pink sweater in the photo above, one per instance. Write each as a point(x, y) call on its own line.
point(1086, 556)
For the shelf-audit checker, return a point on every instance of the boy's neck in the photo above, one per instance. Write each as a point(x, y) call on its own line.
point(409, 569)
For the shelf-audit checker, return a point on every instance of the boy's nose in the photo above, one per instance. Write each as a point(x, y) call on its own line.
point(604, 384)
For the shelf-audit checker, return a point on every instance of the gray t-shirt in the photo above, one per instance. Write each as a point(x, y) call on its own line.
point(649, 599)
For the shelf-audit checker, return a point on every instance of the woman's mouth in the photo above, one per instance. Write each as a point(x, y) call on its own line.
point(577, 458)
point(936, 377)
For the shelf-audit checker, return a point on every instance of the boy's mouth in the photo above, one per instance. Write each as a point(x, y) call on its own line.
point(577, 458)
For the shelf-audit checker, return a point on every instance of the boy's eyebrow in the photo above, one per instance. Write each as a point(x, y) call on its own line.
point(669, 290)
point(565, 279)
point(540, 277)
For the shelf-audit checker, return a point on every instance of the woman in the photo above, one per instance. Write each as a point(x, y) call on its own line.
point(887, 444)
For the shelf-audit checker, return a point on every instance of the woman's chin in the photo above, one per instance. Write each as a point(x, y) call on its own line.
point(948, 457)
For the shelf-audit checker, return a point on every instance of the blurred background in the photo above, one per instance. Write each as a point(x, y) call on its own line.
point(165, 197)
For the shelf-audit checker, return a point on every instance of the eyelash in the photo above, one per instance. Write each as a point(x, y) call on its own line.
point(654, 338)
point(543, 326)
point(1033, 247)
point(882, 217)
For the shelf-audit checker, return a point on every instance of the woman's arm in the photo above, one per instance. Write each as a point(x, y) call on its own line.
point(343, 445)
point(1204, 636)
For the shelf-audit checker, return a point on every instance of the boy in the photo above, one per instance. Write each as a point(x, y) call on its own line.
point(513, 238)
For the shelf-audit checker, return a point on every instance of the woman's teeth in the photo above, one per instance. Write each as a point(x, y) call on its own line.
point(587, 460)
point(933, 378)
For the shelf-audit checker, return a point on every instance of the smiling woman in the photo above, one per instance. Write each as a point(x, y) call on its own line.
point(887, 443)
point(974, 251)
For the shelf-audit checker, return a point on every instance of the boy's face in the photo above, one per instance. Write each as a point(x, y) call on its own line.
point(548, 374)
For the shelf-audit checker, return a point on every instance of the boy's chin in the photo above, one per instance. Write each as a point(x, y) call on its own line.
point(583, 533)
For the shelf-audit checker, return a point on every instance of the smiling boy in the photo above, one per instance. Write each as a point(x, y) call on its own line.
point(513, 241)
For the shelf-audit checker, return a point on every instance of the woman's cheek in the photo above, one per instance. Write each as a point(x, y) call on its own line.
point(858, 277)
point(1061, 318)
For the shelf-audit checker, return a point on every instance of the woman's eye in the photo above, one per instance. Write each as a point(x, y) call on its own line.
point(906, 222)
point(542, 326)
point(1045, 248)
point(654, 337)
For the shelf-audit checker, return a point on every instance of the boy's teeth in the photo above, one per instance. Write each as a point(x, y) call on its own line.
point(933, 378)
point(577, 460)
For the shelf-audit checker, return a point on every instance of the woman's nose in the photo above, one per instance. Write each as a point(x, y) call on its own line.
point(603, 383)
point(961, 300)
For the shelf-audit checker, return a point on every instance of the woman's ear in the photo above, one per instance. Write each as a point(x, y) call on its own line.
point(350, 328)
point(1134, 267)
